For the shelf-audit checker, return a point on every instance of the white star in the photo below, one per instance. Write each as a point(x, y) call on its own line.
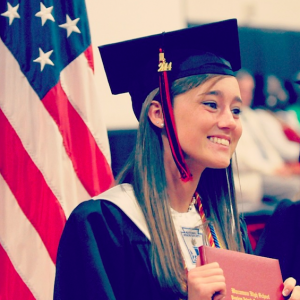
point(70, 25)
point(45, 13)
point(11, 13)
point(44, 59)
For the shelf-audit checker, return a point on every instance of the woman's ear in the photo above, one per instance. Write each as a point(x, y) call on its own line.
point(155, 114)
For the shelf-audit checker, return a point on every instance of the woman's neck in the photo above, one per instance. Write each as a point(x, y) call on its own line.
point(180, 193)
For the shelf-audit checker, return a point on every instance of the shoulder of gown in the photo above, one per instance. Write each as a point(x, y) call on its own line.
point(103, 255)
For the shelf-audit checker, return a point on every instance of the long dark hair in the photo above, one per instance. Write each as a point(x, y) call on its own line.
point(145, 171)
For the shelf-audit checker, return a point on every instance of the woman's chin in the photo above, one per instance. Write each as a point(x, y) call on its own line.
point(220, 164)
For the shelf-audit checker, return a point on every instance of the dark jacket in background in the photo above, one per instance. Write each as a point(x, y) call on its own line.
point(281, 238)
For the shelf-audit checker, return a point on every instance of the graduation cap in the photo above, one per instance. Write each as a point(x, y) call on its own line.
point(132, 66)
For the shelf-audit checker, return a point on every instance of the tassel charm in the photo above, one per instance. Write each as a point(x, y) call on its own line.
point(163, 65)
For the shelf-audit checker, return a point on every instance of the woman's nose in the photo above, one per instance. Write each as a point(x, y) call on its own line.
point(227, 120)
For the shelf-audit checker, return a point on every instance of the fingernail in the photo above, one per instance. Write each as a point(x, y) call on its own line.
point(285, 292)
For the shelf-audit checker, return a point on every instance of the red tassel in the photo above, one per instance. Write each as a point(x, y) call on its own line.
point(170, 121)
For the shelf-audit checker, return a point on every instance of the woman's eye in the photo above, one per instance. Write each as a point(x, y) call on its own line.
point(236, 111)
point(211, 104)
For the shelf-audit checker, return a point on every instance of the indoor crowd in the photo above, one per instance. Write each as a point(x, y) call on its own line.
point(266, 166)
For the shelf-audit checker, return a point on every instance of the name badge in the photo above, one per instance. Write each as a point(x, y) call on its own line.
point(193, 239)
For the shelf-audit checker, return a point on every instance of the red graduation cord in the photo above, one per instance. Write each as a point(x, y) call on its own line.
point(210, 232)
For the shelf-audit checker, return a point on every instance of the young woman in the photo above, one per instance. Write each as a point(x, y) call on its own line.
point(139, 240)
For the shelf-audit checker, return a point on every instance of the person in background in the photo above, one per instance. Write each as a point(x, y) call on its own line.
point(263, 151)
point(276, 122)
point(134, 242)
point(277, 97)
point(283, 223)
point(286, 212)
point(294, 90)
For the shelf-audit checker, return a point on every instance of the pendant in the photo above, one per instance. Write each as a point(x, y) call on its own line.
point(192, 204)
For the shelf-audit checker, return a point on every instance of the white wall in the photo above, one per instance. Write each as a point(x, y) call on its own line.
point(116, 20)
point(276, 14)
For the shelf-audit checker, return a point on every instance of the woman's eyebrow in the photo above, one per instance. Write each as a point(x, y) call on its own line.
point(238, 99)
point(220, 93)
point(213, 92)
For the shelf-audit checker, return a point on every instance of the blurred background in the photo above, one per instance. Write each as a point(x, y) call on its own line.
point(269, 35)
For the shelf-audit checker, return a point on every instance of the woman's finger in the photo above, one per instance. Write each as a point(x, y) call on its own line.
point(295, 293)
point(288, 286)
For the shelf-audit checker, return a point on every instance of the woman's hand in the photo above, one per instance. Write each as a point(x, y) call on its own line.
point(206, 282)
point(290, 288)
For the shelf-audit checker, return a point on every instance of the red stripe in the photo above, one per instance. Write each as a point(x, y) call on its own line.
point(89, 56)
point(30, 188)
point(88, 161)
point(11, 284)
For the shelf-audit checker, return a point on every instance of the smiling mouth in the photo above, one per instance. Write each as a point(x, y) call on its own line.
point(219, 141)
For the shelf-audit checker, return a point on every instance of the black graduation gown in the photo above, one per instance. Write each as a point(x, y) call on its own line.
point(104, 255)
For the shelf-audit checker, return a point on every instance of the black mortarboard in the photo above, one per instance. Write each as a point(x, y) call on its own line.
point(131, 66)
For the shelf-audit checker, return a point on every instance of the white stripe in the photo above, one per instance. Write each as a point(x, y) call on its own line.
point(86, 101)
point(38, 132)
point(24, 246)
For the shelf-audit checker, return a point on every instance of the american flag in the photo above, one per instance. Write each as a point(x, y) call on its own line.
point(54, 150)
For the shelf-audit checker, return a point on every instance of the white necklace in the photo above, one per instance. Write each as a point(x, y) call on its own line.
point(192, 204)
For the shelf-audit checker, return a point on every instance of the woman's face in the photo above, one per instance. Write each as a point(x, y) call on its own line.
point(208, 123)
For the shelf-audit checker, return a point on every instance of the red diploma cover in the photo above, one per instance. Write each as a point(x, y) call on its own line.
point(247, 276)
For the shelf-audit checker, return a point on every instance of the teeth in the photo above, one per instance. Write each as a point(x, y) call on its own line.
point(219, 141)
